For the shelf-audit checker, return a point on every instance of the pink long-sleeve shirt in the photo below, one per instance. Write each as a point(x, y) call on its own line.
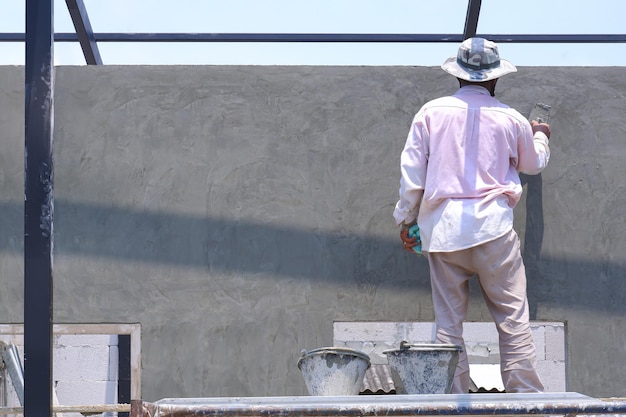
point(460, 168)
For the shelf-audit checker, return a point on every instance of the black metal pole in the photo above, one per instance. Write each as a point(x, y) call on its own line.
point(610, 38)
point(38, 208)
point(123, 371)
point(80, 17)
point(471, 19)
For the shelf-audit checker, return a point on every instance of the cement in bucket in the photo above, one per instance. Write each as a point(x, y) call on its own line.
point(423, 368)
point(333, 371)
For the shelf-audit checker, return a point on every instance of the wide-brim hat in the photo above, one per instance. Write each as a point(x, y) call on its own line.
point(478, 60)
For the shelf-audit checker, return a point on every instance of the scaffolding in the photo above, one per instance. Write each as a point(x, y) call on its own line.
point(568, 404)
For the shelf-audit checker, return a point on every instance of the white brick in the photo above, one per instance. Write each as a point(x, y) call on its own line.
point(368, 331)
point(555, 342)
point(12, 399)
point(553, 375)
point(15, 339)
point(423, 332)
point(86, 340)
point(373, 349)
point(81, 363)
point(86, 392)
point(539, 336)
point(480, 332)
point(114, 355)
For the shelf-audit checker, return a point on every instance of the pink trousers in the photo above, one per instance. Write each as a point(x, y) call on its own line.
point(500, 270)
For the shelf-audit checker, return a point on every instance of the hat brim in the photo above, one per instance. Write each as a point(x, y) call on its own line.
point(452, 67)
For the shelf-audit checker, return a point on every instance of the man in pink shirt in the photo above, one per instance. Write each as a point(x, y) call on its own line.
point(460, 182)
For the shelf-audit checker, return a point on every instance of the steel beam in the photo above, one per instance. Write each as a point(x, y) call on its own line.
point(324, 38)
point(88, 43)
point(267, 37)
point(38, 208)
point(471, 19)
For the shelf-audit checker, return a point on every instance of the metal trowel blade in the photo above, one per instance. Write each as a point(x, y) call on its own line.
point(540, 112)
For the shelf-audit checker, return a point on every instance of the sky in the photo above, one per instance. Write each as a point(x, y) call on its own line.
point(327, 16)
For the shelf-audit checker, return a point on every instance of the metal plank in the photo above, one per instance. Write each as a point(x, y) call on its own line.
point(79, 15)
point(38, 208)
point(471, 19)
point(381, 405)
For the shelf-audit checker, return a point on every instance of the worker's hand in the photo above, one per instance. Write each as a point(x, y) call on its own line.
point(540, 127)
point(408, 242)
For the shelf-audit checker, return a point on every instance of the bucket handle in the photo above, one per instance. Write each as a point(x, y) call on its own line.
point(404, 345)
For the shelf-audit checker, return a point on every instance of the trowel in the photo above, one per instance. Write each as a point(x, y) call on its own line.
point(540, 112)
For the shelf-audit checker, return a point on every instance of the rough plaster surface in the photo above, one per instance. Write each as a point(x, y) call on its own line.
point(237, 212)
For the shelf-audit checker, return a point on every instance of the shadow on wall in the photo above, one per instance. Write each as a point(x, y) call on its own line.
point(533, 232)
point(227, 246)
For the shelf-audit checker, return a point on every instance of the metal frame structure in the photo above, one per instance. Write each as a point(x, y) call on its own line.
point(38, 207)
point(39, 110)
point(89, 40)
point(307, 38)
point(80, 18)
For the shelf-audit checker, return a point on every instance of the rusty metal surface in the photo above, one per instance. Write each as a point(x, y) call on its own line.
point(386, 405)
point(87, 409)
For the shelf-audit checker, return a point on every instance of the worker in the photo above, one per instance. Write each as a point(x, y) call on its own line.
point(459, 184)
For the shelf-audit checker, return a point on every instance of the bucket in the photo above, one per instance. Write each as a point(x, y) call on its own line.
point(333, 370)
point(423, 368)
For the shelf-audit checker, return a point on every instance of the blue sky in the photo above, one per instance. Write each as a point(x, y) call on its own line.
point(328, 16)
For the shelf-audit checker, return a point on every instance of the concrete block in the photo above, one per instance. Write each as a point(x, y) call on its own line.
point(553, 374)
point(368, 331)
point(555, 342)
point(538, 332)
point(15, 339)
point(480, 332)
point(114, 355)
point(483, 352)
point(373, 349)
point(11, 399)
point(81, 363)
point(85, 340)
point(423, 332)
point(86, 392)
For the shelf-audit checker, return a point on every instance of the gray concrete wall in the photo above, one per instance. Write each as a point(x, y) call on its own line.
point(236, 212)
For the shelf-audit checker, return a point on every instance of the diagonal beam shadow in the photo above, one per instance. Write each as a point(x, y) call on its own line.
point(219, 245)
point(533, 231)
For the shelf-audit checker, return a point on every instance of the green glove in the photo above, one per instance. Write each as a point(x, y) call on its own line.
point(414, 231)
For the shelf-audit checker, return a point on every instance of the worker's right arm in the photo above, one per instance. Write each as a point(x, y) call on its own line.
point(533, 156)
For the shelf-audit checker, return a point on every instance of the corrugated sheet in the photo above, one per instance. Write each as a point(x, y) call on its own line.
point(485, 378)
point(378, 380)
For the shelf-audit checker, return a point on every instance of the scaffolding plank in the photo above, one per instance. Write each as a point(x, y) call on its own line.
point(567, 403)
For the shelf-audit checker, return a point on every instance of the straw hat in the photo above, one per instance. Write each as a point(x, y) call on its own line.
point(478, 60)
